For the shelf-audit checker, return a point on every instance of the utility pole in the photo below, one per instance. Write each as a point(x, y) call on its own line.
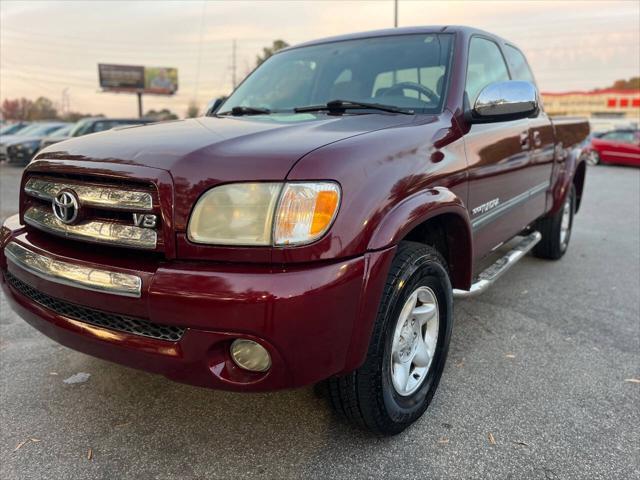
point(233, 64)
point(139, 104)
point(65, 104)
point(395, 13)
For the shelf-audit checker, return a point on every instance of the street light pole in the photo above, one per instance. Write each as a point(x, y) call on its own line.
point(395, 13)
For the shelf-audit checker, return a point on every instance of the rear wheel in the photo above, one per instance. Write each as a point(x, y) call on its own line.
point(556, 230)
point(408, 346)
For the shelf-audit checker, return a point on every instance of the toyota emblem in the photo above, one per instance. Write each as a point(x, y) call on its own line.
point(65, 206)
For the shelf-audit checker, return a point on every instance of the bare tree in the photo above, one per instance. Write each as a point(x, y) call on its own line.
point(268, 51)
point(192, 110)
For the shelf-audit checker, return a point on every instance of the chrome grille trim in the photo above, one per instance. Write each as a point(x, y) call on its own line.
point(73, 275)
point(92, 195)
point(95, 231)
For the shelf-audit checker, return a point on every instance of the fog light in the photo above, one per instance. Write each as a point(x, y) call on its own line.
point(250, 355)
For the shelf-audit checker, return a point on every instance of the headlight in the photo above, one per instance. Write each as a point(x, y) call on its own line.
point(29, 147)
point(262, 214)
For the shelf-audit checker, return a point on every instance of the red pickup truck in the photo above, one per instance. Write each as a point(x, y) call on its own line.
point(316, 226)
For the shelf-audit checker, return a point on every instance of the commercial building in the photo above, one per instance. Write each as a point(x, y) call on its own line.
point(610, 103)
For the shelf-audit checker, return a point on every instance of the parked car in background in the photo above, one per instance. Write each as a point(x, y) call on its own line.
point(620, 147)
point(57, 136)
point(315, 227)
point(95, 125)
point(12, 128)
point(27, 141)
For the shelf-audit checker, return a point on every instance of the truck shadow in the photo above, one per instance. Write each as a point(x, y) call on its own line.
point(129, 412)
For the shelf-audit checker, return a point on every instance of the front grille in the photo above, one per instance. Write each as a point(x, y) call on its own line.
point(98, 318)
point(105, 212)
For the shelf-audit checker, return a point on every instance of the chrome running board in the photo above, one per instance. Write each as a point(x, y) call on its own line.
point(488, 276)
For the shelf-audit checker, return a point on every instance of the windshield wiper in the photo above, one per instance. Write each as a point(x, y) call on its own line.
point(238, 111)
point(340, 106)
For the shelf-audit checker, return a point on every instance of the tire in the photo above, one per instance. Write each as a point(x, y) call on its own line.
point(593, 157)
point(368, 396)
point(555, 233)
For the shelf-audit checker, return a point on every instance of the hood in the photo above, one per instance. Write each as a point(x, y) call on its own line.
point(202, 153)
point(218, 149)
point(9, 139)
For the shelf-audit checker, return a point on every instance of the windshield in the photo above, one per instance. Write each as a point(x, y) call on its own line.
point(40, 129)
point(404, 71)
point(80, 128)
point(62, 132)
point(12, 129)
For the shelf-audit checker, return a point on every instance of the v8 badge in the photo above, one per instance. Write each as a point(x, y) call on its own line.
point(145, 220)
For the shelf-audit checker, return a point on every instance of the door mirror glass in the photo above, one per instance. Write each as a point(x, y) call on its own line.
point(508, 100)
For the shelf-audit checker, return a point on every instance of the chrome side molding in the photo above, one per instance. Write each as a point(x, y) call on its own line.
point(92, 195)
point(106, 233)
point(495, 271)
point(72, 275)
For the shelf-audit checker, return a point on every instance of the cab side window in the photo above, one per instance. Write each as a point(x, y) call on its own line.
point(624, 136)
point(101, 126)
point(486, 65)
point(518, 64)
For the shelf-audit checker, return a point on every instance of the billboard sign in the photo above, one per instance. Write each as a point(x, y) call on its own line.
point(138, 79)
point(160, 80)
point(121, 77)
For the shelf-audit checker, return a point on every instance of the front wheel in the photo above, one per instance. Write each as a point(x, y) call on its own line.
point(408, 346)
point(593, 157)
point(556, 229)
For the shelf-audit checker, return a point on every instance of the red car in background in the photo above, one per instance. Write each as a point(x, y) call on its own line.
point(618, 146)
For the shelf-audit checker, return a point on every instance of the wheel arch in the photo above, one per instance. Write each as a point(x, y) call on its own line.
point(436, 217)
point(578, 182)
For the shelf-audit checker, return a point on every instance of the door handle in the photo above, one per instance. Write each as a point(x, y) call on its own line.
point(524, 140)
point(537, 140)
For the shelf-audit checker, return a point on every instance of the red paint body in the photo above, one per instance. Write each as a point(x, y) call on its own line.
point(311, 306)
point(614, 150)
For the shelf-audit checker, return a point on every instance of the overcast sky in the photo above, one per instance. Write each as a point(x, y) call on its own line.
point(46, 47)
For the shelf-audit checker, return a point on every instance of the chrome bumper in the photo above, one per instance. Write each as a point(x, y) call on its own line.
point(69, 274)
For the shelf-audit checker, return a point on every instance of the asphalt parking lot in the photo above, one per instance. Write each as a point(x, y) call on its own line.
point(542, 363)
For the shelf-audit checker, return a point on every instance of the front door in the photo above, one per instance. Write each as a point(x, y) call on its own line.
point(505, 192)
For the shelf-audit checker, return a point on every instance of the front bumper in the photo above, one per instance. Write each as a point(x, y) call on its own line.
point(20, 155)
point(315, 320)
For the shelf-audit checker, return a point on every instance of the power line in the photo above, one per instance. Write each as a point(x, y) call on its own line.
point(129, 45)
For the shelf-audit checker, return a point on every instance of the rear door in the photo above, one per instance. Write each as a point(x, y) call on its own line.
point(498, 154)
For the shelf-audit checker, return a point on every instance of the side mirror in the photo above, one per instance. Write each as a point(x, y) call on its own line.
point(213, 105)
point(501, 101)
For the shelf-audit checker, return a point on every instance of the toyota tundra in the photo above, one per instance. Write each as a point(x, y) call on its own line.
point(313, 228)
